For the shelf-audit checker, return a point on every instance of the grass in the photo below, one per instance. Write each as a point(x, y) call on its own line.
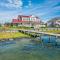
point(21, 27)
point(54, 31)
point(5, 35)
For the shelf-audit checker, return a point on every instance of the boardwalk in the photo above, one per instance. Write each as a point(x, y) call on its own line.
point(30, 31)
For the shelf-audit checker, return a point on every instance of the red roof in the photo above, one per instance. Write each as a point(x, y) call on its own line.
point(18, 21)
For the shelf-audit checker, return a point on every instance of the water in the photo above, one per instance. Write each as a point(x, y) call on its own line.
point(25, 49)
point(51, 39)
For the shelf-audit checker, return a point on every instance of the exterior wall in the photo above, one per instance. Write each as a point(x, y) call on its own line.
point(58, 22)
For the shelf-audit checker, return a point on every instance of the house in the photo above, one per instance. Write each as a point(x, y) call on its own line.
point(55, 22)
point(28, 21)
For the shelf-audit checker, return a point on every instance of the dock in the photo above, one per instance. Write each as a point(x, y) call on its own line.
point(38, 32)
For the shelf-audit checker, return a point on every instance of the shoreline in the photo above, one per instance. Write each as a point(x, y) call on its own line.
point(14, 39)
point(12, 35)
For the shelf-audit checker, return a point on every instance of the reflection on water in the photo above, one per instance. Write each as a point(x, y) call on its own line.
point(53, 40)
point(26, 49)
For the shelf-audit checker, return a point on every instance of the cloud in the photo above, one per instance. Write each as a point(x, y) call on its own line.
point(7, 16)
point(30, 3)
point(40, 7)
point(45, 8)
point(10, 1)
point(12, 4)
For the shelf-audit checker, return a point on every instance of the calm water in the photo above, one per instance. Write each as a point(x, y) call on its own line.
point(25, 49)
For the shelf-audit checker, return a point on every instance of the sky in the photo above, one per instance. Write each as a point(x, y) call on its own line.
point(44, 9)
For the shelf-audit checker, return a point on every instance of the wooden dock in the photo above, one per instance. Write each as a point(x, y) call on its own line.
point(38, 32)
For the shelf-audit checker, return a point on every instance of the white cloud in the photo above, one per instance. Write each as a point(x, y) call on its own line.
point(46, 8)
point(13, 4)
point(10, 1)
point(17, 3)
point(7, 16)
point(30, 3)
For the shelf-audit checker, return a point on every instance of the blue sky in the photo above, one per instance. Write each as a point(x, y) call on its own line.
point(44, 9)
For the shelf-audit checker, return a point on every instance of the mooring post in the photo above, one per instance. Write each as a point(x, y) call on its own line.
point(55, 41)
point(49, 39)
point(42, 40)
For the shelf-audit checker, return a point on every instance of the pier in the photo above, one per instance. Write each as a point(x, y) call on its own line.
point(38, 32)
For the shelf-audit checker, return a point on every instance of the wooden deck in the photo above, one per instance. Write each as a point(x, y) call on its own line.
point(38, 32)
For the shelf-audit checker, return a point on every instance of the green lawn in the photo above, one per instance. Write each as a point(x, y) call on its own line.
point(4, 35)
point(54, 31)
